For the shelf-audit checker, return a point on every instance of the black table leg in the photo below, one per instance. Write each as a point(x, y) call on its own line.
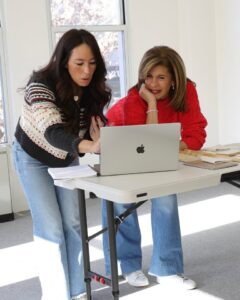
point(113, 251)
point(85, 245)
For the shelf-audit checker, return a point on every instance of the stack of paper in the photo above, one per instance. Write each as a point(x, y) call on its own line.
point(219, 153)
point(227, 150)
point(214, 160)
point(72, 172)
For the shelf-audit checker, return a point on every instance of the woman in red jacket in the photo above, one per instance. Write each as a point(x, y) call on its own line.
point(163, 94)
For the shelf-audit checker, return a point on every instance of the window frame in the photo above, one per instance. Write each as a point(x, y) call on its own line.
point(53, 30)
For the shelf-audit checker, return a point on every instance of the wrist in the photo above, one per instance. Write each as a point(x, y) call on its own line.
point(152, 107)
point(151, 111)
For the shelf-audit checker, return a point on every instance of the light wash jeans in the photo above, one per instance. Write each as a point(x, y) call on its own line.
point(56, 228)
point(167, 255)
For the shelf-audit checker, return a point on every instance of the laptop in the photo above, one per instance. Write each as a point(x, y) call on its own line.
point(139, 148)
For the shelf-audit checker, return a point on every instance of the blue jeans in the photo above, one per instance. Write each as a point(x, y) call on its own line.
point(56, 228)
point(167, 255)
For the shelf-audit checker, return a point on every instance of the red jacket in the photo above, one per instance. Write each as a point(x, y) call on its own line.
point(131, 110)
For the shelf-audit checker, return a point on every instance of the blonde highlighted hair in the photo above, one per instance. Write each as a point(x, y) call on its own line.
point(169, 58)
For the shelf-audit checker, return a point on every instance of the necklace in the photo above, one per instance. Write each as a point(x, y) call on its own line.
point(75, 98)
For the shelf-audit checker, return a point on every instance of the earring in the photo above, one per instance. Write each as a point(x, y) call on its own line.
point(173, 86)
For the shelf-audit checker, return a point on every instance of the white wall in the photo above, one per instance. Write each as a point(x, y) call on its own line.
point(204, 32)
point(27, 44)
point(149, 25)
point(228, 69)
point(27, 48)
point(198, 49)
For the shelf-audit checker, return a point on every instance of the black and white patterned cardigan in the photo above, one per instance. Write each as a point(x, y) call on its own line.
point(40, 129)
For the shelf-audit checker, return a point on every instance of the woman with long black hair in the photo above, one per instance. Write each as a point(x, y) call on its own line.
point(60, 121)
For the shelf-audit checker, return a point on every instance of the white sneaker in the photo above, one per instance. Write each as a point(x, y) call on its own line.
point(178, 281)
point(81, 297)
point(137, 279)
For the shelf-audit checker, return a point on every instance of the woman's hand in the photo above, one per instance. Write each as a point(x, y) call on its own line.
point(96, 124)
point(95, 148)
point(152, 112)
point(86, 146)
point(183, 146)
point(147, 95)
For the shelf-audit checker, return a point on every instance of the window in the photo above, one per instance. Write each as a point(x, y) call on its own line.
point(3, 135)
point(105, 19)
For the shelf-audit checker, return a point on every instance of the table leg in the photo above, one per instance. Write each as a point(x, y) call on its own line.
point(85, 245)
point(113, 251)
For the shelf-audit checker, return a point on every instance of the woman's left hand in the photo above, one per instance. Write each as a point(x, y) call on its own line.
point(183, 146)
point(147, 95)
point(96, 124)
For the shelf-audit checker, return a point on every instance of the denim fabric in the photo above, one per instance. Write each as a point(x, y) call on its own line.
point(167, 256)
point(128, 241)
point(56, 228)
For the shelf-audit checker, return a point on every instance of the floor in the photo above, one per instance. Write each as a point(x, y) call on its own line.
point(210, 224)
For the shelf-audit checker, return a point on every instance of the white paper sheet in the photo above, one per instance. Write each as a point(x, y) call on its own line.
point(72, 172)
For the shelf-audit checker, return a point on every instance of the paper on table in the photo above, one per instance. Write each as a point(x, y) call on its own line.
point(72, 172)
point(228, 150)
point(210, 166)
point(214, 160)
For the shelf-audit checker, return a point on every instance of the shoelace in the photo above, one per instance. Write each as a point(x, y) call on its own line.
point(140, 275)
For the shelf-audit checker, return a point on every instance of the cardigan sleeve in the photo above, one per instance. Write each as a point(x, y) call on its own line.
point(41, 105)
point(193, 122)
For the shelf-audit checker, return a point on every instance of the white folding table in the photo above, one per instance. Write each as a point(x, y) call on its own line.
point(135, 188)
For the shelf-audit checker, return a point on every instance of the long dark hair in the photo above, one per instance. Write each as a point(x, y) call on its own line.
point(55, 75)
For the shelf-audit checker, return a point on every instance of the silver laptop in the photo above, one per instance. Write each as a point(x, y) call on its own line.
point(139, 148)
